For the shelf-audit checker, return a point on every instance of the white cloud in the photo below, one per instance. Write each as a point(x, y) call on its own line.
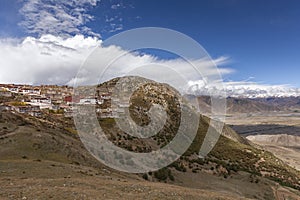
point(115, 27)
point(114, 22)
point(116, 6)
point(48, 60)
point(63, 18)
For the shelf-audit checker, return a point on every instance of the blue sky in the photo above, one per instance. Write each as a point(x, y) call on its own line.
point(260, 37)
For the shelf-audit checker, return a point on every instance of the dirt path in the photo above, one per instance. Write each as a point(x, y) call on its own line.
point(281, 193)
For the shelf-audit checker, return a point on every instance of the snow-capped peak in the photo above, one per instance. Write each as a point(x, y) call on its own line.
point(243, 89)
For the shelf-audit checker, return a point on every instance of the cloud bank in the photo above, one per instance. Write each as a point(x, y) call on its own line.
point(46, 60)
point(56, 60)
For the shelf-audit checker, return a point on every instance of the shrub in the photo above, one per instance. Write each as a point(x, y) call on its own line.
point(163, 174)
point(178, 166)
point(145, 176)
point(171, 177)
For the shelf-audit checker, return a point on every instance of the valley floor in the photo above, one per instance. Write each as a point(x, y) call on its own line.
point(277, 132)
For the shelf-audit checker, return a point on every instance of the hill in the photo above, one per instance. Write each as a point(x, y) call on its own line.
point(41, 159)
point(47, 155)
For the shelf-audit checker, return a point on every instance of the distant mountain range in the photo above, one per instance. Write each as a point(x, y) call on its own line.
point(243, 90)
point(251, 105)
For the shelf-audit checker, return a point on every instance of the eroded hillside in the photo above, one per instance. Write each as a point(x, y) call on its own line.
point(47, 157)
